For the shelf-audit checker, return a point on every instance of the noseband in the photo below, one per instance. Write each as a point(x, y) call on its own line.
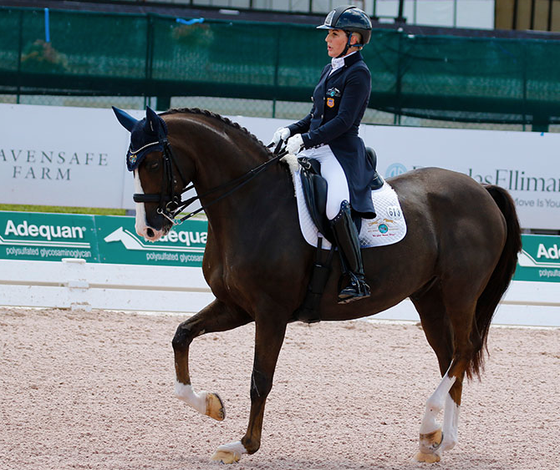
point(170, 203)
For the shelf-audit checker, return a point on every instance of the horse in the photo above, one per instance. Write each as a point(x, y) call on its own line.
point(455, 262)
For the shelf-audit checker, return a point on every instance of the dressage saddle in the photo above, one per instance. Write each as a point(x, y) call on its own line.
point(315, 193)
point(315, 190)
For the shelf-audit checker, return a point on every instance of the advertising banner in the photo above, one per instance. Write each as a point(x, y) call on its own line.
point(97, 239)
point(63, 156)
point(47, 237)
point(66, 156)
point(539, 260)
point(119, 243)
point(107, 239)
point(527, 164)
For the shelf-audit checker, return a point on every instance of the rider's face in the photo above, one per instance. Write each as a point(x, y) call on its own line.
point(336, 42)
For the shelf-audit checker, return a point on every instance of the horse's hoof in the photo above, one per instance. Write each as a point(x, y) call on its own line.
point(427, 458)
point(429, 447)
point(229, 453)
point(225, 456)
point(215, 407)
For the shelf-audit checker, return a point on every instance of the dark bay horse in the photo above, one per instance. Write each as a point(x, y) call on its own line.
point(455, 263)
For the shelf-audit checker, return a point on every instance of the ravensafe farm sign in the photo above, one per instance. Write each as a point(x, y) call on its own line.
point(63, 157)
point(66, 156)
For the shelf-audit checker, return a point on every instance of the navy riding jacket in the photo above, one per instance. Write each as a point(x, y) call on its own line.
point(339, 103)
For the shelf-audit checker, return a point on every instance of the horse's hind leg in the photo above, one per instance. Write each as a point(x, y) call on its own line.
point(215, 317)
point(442, 335)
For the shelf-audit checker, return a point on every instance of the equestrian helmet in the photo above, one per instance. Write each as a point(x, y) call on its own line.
point(349, 19)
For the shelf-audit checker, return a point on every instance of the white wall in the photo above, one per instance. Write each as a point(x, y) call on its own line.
point(478, 14)
point(76, 157)
point(62, 157)
point(448, 13)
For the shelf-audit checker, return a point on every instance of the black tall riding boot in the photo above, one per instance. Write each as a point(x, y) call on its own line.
point(348, 244)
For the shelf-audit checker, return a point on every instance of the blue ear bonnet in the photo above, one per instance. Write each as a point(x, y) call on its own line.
point(146, 135)
point(143, 140)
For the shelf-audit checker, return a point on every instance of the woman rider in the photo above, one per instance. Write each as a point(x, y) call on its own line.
point(329, 134)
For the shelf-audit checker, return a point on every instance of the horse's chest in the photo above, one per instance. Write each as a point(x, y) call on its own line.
point(225, 280)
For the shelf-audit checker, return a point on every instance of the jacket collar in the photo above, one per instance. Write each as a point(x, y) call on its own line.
point(348, 61)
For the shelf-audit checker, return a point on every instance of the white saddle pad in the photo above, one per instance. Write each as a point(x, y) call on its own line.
point(387, 228)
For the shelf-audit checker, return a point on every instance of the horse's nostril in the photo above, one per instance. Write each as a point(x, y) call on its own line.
point(150, 233)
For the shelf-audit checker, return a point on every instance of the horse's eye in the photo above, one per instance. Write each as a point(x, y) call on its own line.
point(153, 166)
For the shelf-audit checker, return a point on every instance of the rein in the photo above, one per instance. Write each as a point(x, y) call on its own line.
point(171, 204)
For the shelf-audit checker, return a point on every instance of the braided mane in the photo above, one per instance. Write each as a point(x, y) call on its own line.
point(228, 122)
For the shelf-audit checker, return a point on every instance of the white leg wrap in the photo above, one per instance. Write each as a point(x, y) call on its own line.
point(235, 448)
point(450, 424)
point(435, 404)
point(188, 395)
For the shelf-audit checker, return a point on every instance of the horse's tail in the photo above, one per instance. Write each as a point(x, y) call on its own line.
point(501, 277)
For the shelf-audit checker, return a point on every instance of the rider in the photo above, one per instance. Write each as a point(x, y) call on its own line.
point(329, 134)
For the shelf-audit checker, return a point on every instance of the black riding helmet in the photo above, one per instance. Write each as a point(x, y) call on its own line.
point(351, 20)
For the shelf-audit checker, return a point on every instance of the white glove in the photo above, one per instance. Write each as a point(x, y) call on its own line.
point(282, 133)
point(294, 144)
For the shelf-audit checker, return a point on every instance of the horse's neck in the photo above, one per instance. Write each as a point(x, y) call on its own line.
point(221, 154)
point(232, 158)
point(262, 197)
point(252, 221)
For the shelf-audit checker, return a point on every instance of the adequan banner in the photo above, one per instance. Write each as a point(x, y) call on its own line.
point(47, 237)
point(119, 243)
point(539, 260)
point(106, 239)
point(97, 239)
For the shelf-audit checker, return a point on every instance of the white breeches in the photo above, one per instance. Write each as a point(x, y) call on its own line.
point(332, 171)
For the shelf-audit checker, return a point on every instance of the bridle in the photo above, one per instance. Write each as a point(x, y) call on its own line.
point(170, 203)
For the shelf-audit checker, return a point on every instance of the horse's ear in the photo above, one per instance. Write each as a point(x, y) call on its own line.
point(156, 123)
point(125, 119)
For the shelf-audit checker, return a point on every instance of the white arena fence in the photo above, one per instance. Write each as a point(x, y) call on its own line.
point(80, 261)
point(76, 284)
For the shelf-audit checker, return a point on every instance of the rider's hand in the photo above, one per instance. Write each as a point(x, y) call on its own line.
point(282, 133)
point(294, 144)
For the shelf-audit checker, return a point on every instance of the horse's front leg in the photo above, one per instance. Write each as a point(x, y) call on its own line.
point(268, 342)
point(215, 317)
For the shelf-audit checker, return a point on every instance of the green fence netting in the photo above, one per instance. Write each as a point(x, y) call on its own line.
point(437, 77)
